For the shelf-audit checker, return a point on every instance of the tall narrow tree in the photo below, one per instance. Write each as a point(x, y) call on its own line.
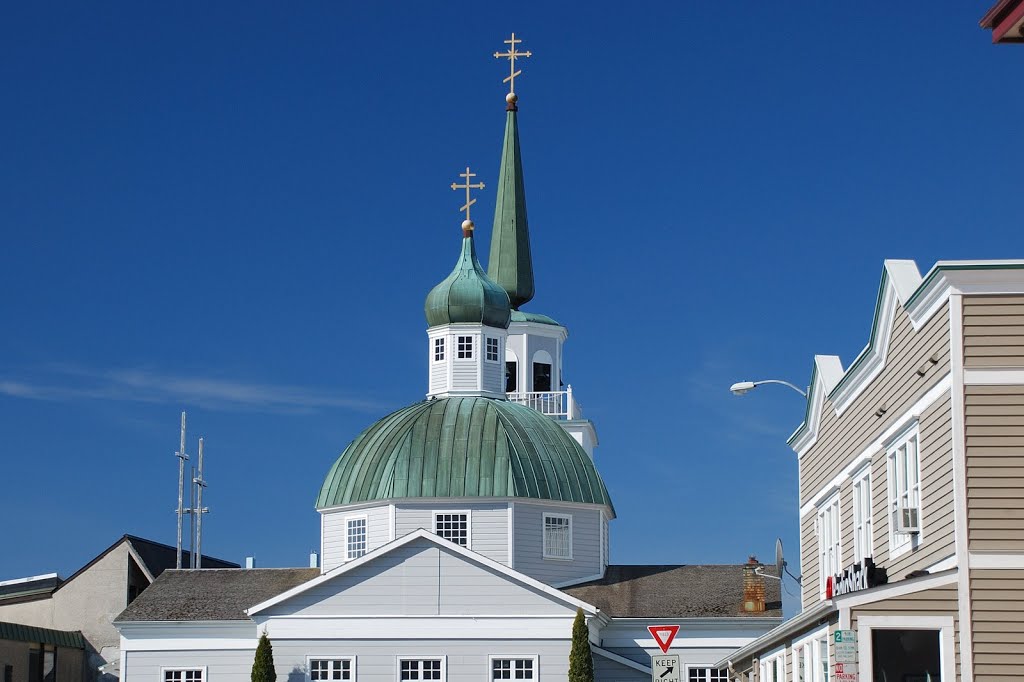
point(581, 662)
point(263, 665)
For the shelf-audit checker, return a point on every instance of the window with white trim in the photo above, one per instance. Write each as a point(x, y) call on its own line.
point(773, 669)
point(707, 675)
point(438, 350)
point(330, 669)
point(184, 674)
point(513, 669)
point(810, 658)
point(862, 539)
point(829, 557)
point(557, 536)
point(904, 469)
point(355, 537)
point(413, 669)
point(453, 526)
point(464, 347)
point(492, 350)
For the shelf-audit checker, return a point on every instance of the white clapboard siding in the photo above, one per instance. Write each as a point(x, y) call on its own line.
point(529, 543)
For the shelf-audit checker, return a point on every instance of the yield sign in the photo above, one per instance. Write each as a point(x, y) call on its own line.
point(663, 635)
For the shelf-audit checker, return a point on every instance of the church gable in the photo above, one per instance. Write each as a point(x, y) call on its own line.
point(424, 576)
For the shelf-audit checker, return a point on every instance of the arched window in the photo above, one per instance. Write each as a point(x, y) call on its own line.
point(511, 371)
point(542, 371)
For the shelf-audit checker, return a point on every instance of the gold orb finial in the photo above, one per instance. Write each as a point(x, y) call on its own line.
point(511, 98)
point(468, 226)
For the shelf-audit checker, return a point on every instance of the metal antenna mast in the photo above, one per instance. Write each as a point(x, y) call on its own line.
point(199, 510)
point(180, 454)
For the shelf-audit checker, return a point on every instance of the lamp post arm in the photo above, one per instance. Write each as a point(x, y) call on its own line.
point(784, 383)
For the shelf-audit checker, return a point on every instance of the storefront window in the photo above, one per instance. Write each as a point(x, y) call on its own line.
point(906, 655)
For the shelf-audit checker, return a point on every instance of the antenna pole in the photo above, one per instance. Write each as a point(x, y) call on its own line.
point(180, 454)
point(192, 522)
point(200, 483)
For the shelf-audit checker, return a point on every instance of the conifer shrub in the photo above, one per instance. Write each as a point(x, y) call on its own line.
point(581, 662)
point(263, 666)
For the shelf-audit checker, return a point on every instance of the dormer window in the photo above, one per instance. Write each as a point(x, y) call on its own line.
point(557, 536)
point(492, 350)
point(464, 347)
point(438, 350)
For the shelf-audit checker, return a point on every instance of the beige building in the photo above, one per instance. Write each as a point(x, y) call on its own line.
point(911, 464)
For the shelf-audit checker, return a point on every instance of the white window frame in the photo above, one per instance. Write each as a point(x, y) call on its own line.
point(461, 352)
point(810, 645)
point(469, 524)
point(828, 525)
point(513, 657)
point(701, 666)
point(775, 660)
point(438, 349)
point(899, 492)
point(399, 659)
point(944, 624)
point(330, 657)
point(863, 526)
point(492, 341)
point(544, 533)
point(366, 536)
point(182, 668)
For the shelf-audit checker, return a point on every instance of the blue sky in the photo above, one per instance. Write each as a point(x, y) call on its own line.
point(238, 209)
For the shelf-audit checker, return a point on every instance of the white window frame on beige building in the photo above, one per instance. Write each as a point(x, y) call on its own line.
point(944, 624)
point(829, 513)
point(774, 660)
point(811, 661)
point(862, 521)
point(902, 543)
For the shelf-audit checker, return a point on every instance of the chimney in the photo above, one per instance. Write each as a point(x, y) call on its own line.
point(753, 586)
point(314, 560)
point(250, 562)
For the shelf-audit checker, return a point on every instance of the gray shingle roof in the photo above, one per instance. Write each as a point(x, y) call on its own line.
point(687, 591)
point(212, 593)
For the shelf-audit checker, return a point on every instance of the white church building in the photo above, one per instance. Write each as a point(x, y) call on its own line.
point(460, 534)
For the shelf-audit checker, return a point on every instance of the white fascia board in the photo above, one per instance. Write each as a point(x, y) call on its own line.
point(551, 331)
point(15, 581)
point(422, 534)
point(905, 278)
point(437, 502)
point(963, 277)
point(620, 659)
point(176, 631)
point(825, 375)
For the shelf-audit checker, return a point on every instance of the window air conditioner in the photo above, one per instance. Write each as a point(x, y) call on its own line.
point(907, 521)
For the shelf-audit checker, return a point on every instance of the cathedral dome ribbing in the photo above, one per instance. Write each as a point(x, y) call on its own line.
point(468, 294)
point(463, 447)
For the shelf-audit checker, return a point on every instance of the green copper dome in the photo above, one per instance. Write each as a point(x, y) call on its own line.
point(463, 447)
point(468, 295)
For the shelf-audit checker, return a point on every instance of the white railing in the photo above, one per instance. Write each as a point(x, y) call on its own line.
point(558, 404)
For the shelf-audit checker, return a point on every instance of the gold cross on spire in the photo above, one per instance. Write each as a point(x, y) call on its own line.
point(467, 224)
point(512, 55)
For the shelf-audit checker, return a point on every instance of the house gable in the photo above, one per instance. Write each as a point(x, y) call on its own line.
point(421, 575)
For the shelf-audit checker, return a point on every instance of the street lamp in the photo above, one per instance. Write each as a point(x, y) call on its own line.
point(741, 387)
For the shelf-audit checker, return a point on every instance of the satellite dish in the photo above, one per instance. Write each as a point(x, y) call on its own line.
point(780, 562)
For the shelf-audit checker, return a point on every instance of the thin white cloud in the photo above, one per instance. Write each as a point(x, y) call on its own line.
point(143, 385)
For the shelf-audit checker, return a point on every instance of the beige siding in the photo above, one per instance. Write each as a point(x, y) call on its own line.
point(995, 467)
point(842, 437)
point(897, 387)
point(997, 602)
point(993, 331)
point(938, 601)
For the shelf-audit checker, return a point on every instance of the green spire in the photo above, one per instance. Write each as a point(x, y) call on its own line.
point(467, 294)
point(510, 263)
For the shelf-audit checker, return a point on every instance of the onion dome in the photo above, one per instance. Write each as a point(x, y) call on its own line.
point(468, 294)
point(463, 447)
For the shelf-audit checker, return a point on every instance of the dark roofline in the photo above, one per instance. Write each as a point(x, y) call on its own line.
point(133, 539)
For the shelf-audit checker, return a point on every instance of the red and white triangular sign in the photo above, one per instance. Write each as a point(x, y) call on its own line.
point(663, 635)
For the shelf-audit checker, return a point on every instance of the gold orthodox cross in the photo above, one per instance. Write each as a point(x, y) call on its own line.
point(512, 55)
point(468, 224)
